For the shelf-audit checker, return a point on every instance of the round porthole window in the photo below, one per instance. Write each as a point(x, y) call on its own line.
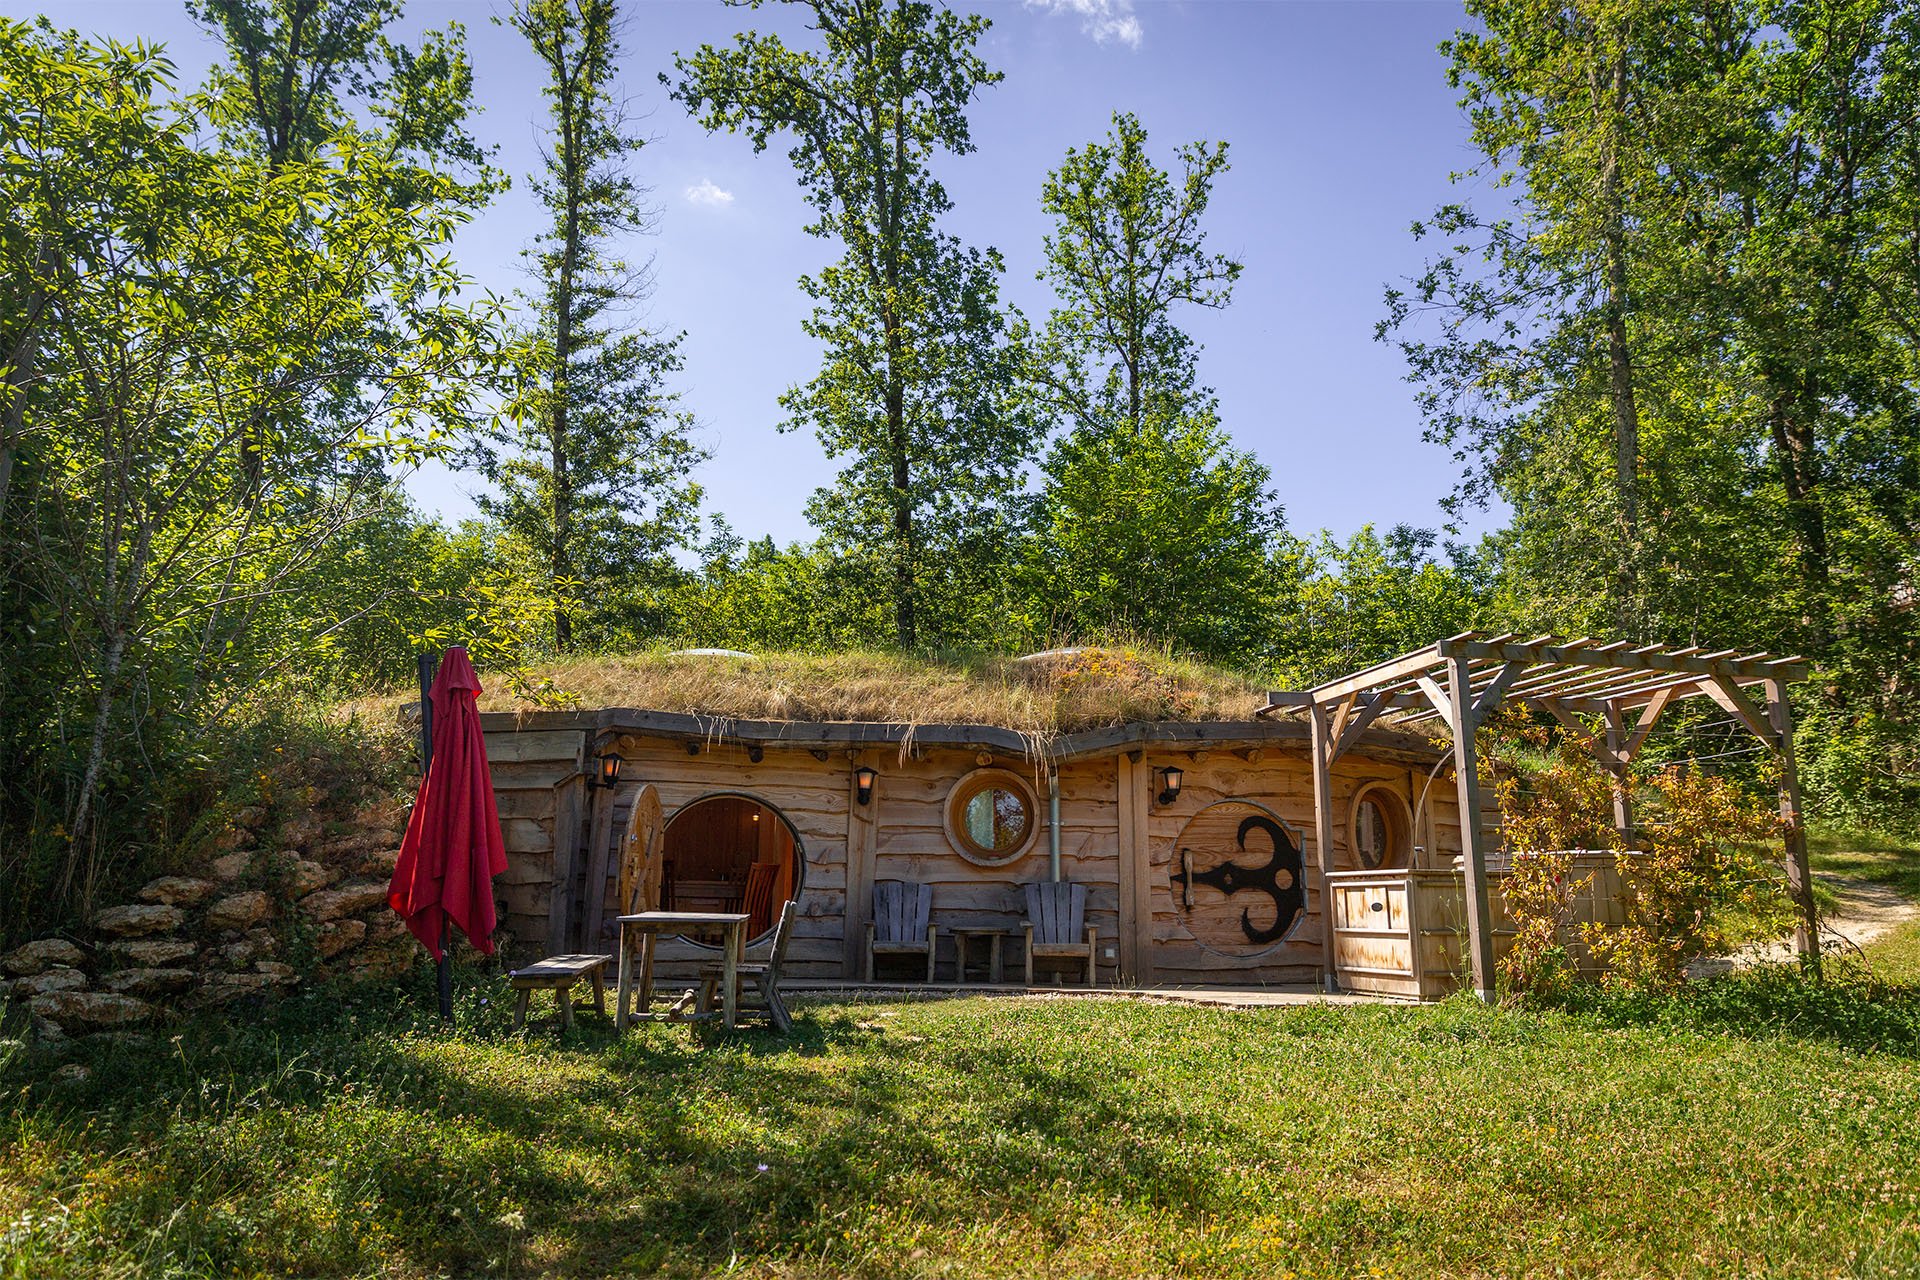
point(991, 817)
point(1379, 828)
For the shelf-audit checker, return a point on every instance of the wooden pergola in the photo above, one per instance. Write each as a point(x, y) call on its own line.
point(1462, 679)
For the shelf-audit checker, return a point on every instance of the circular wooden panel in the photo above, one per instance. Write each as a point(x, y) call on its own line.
point(1238, 878)
point(640, 849)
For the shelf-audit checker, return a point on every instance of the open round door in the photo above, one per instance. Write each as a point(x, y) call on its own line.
point(640, 853)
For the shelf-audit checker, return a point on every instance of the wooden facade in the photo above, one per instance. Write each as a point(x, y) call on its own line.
point(1170, 878)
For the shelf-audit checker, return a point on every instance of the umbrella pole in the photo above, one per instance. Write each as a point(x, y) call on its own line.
point(445, 970)
point(428, 666)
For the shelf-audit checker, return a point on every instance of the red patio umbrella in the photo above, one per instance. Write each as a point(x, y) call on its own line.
point(452, 849)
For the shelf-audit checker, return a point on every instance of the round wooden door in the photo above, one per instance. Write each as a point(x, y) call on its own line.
point(641, 849)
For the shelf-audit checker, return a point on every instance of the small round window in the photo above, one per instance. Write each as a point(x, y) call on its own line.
point(990, 817)
point(1380, 828)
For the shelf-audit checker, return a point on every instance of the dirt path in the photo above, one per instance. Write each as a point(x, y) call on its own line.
point(1863, 911)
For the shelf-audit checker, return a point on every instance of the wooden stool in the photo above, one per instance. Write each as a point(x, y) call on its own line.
point(558, 974)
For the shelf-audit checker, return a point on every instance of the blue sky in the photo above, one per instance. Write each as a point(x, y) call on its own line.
point(1342, 131)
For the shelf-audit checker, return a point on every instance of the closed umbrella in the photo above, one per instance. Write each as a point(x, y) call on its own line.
point(452, 849)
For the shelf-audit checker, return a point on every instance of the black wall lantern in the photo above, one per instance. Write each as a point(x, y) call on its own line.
point(608, 774)
point(1170, 785)
point(756, 753)
point(863, 780)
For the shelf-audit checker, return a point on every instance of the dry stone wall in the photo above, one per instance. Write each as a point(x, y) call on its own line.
point(278, 906)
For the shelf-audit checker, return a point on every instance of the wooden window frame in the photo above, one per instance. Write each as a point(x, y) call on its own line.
point(964, 790)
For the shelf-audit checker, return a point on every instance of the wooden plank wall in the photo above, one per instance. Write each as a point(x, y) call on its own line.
point(537, 787)
point(814, 796)
point(911, 844)
point(1115, 839)
point(1281, 781)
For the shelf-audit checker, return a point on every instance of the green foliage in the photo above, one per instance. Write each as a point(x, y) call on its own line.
point(1171, 534)
point(1151, 523)
point(591, 458)
point(1704, 859)
point(1369, 599)
point(344, 1133)
point(173, 486)
point(1684, 351)
point(920, 379)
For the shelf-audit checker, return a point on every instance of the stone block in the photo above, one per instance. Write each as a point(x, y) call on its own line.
point(354, 896)
point(136, 920)
point(44, 954)
point(48, 982)
point(238, 910)
point(336, 936)
point(304, 877)
point(178, 891)
point(232, 866)
point(228, 987)
point(153, 953)
point(277, 971)
point(148, 983)
point(85, 1010)
point(377, 862)
point(302, 832)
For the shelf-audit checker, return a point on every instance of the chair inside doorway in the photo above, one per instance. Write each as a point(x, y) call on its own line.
point(730, 853)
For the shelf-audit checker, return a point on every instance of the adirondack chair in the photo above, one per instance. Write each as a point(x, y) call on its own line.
point(765, 977)
point(900, 924)
point(1056, 913)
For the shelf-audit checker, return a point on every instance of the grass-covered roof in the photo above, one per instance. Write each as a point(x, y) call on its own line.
point(1065, 692)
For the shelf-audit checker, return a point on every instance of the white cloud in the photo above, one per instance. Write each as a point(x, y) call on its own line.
point(1104, 20)
point(705, 193)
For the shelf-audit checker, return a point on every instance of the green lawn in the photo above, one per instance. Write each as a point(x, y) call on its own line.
point(1767, 1129)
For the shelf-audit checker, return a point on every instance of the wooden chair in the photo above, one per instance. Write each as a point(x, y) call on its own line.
point(758, 900)
point(901, 922)
point(1056, 913)
point(765, 977)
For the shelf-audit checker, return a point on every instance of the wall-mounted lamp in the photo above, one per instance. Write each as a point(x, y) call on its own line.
point(756, 754)
point(1170, 785)
point(863, 780)
point(609, 772)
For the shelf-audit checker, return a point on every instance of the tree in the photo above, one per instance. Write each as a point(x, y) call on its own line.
point(592, 461)
point(1151, 522)
point(197, 299)
point(920, 380)
point(1546, 357)
point(1171, 536)
point(1126, 250)
point(300, 71)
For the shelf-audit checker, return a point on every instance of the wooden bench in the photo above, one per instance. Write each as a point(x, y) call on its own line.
point(558, 974)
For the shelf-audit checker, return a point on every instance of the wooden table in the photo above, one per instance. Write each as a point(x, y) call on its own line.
point(961, 940)
point(650, 925)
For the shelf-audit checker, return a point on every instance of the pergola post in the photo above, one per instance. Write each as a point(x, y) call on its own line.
point(1473, 852)
point(1806, 935)
point(1321, 746)
point(1617, 762)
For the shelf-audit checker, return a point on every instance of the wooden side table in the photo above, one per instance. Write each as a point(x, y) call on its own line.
point(962, 943)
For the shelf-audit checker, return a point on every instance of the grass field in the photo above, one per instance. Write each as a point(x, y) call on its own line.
point(1768, 1129)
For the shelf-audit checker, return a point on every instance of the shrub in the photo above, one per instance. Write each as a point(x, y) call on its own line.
point(1561, 808)
point(1702, 861)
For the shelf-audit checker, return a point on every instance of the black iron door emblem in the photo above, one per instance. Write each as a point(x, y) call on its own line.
point(1279, 879)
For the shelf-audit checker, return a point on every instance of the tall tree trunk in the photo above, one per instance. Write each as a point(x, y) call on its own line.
point(1626, 413)
point(905, 624)
point(1796, 452)
point(79, 827)
point(560, 552)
